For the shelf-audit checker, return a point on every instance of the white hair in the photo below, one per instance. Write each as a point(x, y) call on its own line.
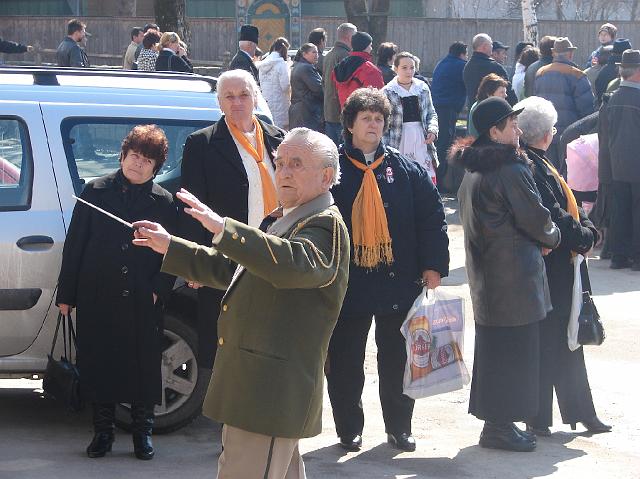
point(321, 146)
point(238, 75)
point(480, 39)
point(346, 30)
point(537, 118)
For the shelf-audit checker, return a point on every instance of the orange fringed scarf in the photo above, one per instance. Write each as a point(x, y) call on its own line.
point(370, 231)
point(572, 204)
point(269, 196)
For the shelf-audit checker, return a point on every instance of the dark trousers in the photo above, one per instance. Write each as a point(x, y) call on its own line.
point(447, 116)
point(345, 376)
point(625, 220)
point(564, 370)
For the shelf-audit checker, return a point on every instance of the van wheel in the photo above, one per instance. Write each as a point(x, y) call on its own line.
point(184, 385)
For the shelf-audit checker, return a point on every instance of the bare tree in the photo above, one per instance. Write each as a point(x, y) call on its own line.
point(530, 21)
point(126, 8)
point(171, 17)
point(369, 16)
point(633, 15)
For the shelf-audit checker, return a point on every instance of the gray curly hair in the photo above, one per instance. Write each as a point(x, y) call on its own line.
point(537, 119)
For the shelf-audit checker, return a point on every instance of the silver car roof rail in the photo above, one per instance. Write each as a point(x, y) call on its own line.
point(49, 75)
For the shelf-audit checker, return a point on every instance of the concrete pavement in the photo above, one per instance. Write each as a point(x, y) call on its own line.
point(37, 440)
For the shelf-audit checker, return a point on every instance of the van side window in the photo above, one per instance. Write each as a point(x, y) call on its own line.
point(92, 146)
point(16, 165)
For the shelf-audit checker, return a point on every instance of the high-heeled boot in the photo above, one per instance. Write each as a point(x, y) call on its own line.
point(103, 426)
point(142, 416)
point(594, 425)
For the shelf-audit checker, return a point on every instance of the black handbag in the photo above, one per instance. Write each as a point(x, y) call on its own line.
point(62, 379)
point(590, 327)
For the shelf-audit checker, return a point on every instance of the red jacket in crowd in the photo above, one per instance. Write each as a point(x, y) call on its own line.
point(355, 71)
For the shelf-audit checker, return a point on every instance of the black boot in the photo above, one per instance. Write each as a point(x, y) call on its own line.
point(103, 426)
point(504, 436)
point(142, 425)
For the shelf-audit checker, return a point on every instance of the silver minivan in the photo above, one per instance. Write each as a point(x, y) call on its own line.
point(60, 128)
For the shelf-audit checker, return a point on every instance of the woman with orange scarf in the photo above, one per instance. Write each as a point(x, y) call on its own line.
point(560, 368)
point(398, 241)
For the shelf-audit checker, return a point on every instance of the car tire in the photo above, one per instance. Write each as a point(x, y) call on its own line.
point(184, 385)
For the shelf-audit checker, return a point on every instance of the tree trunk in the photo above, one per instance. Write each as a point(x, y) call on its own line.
point(559, 12)
point(171, 17)
point(369, 16)
point(530, 21)
point(125, 8)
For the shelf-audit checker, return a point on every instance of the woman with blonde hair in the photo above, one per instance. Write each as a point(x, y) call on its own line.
point(172, 56)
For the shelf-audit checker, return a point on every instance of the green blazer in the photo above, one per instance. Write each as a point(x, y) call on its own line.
point(284, 294)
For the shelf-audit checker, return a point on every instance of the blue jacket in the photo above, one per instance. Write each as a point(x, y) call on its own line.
point(417, 226)
point(447, 85)
point(568, 88)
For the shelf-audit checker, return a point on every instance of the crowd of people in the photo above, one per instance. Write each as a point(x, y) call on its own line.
point(354, 185)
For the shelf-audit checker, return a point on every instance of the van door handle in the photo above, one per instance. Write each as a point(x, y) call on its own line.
point(35, 243)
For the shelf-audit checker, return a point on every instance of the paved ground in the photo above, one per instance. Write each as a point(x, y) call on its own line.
point(39, 441)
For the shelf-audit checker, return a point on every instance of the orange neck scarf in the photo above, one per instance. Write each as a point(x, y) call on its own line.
point(269, 197)
point(572, 204)
point(370, 231)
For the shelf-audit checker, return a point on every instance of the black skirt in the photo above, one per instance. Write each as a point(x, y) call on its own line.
point(506, 367)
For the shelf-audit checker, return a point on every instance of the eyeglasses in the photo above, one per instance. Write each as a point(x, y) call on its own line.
point(554, 130)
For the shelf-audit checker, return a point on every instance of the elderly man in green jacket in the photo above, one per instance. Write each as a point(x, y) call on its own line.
point(285, 289)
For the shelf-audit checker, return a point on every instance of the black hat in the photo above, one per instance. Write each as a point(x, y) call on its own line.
point(490, 112)
point(498, 45)
point(630, 59)
point(249, 33)
point(620, 45)
point(360, 41)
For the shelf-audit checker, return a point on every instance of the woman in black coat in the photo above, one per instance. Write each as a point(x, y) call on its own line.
point(560, 368)
point(506, 233)
point(173, 55)
point(386, 277)
point(306, 90)
point(116, 290)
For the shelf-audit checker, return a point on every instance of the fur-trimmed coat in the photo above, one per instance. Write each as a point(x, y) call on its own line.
point(505, 228)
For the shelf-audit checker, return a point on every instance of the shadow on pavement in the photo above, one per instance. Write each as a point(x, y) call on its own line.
point(472, 461)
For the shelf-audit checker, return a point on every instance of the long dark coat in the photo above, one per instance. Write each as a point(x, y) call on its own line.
point(241, 61)
point(213, 171)
point(111, 284)
point(307, 97)
point(417, 226)
point(561, 368)
point(505, 227)
point(575, 236)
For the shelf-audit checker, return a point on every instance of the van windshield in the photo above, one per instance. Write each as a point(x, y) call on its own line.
point(92, 146)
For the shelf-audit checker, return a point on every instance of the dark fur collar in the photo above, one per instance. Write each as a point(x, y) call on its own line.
point(484, 156)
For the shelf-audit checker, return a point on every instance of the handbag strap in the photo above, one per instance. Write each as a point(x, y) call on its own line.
point(72, 339)
point(55, 335)
point(64, 338)
point(70, 344)
point(584, 276)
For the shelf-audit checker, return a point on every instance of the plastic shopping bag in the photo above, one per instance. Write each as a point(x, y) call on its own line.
point(434, 333)
point(576, 304)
